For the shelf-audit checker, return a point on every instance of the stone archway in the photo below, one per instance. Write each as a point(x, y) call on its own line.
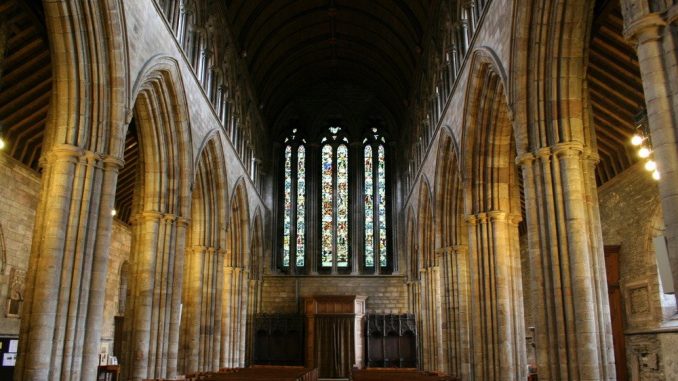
point(492, 207)
point(160, 218)
point(200, 342)
point(556, 150)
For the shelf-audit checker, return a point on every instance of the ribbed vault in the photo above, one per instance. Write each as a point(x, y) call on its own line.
point(292, 47)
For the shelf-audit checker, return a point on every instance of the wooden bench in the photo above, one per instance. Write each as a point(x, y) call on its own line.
point(391, 374)
point(258, 373)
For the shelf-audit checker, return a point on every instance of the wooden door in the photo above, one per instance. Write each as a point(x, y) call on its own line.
point(616, 310)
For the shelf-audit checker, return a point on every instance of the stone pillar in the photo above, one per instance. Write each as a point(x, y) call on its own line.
point(226, 321)
point(498, 333)
point(153, 328)
point(63, 306)
point(202, 309)
point(655, 38)
point(568, 288)
point(455, 311)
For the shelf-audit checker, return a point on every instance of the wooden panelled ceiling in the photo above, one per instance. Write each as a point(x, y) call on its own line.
point(127, 178)
point(291, 47)
point(25, 80)
point(616, 90)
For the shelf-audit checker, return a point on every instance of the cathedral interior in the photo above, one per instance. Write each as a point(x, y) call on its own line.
point(458, 189)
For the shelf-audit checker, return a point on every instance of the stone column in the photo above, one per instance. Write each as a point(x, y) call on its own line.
point(63, 306)
point(455, 311)
point(192, 308)
point(226, 321)
point(153, 328)
point(568, 288)
point(655, 38)
point(499, 350)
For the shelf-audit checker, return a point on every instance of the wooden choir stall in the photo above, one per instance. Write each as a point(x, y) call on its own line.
point(334, 339)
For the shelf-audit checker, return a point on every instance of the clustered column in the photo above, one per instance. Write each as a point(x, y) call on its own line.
point(570, 304)
point(152, 331)
point(236, 292)
point(454, 276)
point(496, 287)
point(63, 308)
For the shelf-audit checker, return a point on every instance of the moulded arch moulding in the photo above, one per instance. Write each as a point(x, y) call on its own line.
point(165, 70)
point(483, 60)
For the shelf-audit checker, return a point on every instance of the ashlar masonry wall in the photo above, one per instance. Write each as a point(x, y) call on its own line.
point(631, 218)
point(283, 294)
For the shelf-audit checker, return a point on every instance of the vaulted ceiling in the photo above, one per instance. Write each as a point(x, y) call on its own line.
point(296, 47)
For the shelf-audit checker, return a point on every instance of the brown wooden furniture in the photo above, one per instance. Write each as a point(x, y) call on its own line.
point(259, 373)
point(278, 339)
point(108, 372)
point(341, 307)
point(391, 341)
point(386, 374)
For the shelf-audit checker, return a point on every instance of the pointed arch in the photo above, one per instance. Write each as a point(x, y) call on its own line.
point(87, 109)
point(492, 207)
point(488, 140)
point(161, 207)
point(161, 114)
point(412, 245)
point(200, 342)
point(448, 192)
point(425, 219)
point(239, 226)
point(257, 246)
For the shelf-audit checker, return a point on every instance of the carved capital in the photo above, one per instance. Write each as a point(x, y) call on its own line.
point(525, 159)
point(544, 154)
point(645, 28)
point(471, 219)
point(112, 163)
point(64, 152)
point(183, 221)
point(568, 149)
point(497, 215)
point(148, 216)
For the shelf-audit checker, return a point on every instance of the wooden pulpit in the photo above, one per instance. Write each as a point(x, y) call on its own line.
point(334, 338)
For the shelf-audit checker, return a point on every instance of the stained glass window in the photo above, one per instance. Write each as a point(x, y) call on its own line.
point(294, 203)
point(301, 206)
point(287, 217)
point(327, 214)
point(342, 206)
point(381, 193)
point(369, 208)
point(375, 222)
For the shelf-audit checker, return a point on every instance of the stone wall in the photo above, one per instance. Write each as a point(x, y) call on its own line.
point(121, 240)
point(386, 294)
point(19, 194)
point(631, 218)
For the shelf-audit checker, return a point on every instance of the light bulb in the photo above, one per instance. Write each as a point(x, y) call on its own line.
point(650, 165)
point(655, 175)
point(643, 152)
point(114, 212)
point(2, 143)
point(636, 140)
